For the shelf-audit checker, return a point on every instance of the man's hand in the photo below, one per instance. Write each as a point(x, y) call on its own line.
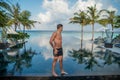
point(55, 51)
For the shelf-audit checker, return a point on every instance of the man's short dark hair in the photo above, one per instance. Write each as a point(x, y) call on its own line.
point(59, 25)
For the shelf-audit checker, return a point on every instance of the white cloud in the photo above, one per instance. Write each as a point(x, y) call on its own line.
point(56, 10)
point(45, 17)
point(111, 8)
point(82, 5)
point(57, 6)
point(59, 11)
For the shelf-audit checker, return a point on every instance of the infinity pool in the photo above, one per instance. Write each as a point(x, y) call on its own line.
point(35, 57)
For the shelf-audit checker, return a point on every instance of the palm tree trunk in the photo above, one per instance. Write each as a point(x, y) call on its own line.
point(112, 31)
point(102, 34)
point(3, 36)
point(24, 48)
point(15, 27)
point(92, 48)
point(92, 38)
point(92, 32)
point(23, 29)
point(23, 32)
point(81, 36)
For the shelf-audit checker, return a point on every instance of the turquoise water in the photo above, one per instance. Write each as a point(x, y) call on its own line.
point(35, 57)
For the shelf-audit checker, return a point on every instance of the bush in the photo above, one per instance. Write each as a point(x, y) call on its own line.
point(18, 36)
point(116, 39)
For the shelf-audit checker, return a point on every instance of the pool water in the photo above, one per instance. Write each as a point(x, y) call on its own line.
point(35, 57)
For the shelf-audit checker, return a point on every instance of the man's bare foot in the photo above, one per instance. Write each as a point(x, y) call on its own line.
point(54, 74)
point(63, 73)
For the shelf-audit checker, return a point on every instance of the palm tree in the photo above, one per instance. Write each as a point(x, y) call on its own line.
point(84, 56)
point(117, 21)
point(104, 23)
point(4, 5)
point(82, 19)
point(94, 16)
point(110, 18)
point(25, 21)
point(4, 18)
point(14, 13)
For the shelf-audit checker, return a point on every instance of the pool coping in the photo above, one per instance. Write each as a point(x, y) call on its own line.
point(103, 77)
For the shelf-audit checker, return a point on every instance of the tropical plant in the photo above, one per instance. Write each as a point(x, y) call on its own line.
point(110, 18)
point(18, 36)
point(82, 19)
point(4, 18)
point(117, 21)
point(108, 57)
point(25, 21)
point(3, 14)
point(116, 39)
point(14, 13)
point(93, 16)
point(79, 55)
point(22, 58)
point(84, 56)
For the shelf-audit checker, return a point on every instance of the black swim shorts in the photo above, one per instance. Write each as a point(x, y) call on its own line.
point(59, 52)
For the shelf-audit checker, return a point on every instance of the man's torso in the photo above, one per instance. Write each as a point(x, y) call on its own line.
point(58, 40)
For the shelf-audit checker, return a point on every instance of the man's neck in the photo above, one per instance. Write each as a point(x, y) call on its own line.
point(58, 31)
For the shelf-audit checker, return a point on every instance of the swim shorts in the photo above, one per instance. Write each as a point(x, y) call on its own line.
point(59, 52)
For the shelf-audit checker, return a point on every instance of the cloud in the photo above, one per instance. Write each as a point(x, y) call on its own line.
point(59, 11)
point(56, 6)
point(82, 5)
point(45, 17)
point(111, 8)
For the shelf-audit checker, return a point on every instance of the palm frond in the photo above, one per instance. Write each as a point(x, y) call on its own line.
point(4, 6)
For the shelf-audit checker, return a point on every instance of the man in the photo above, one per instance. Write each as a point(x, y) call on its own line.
point(56, 43)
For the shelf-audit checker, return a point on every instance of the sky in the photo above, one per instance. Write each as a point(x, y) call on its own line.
point(52, 12)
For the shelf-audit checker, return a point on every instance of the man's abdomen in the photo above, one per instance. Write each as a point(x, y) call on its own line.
point(58, 44)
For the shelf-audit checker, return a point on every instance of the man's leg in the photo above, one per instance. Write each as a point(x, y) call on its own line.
point(53, 66)
point(61, 63)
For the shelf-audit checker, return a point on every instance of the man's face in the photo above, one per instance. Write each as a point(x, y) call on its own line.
point(61, 29)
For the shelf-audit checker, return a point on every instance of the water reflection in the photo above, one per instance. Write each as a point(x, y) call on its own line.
point(88, 53)
point(17, 58)
point(111, 58)
point(3, 64)
point(42, 44)
point(92, 58)
point(25, 58)
point(84, 56)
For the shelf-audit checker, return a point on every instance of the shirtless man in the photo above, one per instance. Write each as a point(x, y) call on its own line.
point(56, 43)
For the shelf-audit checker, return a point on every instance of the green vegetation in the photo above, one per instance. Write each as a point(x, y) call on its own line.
point(4, 17)
point(116, 39)
point(11, 14)
point(84, 56)
point(24, 18)
point(22, 58)
point(14, 14)
point(82, 19)
point(117, 21)
point(18, 36)
point(91, 59)
point(94, 16)
point(111, 19)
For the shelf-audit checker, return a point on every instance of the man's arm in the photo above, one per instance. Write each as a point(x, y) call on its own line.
point(52, 39)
